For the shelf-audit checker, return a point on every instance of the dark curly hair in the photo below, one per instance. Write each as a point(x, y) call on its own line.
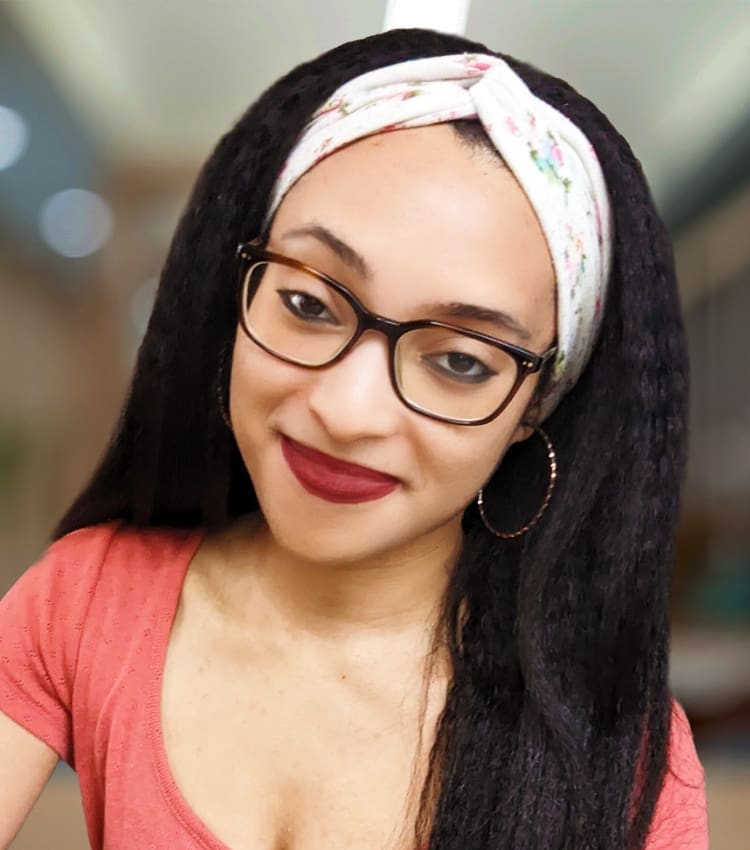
point(554, 732)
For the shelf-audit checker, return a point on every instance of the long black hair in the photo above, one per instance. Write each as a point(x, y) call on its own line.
point(554, 733)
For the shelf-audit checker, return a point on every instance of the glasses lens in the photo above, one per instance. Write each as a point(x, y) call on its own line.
point(449, 374)
point(295, 314)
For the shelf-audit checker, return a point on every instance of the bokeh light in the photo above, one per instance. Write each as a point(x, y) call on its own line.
point(14, 137)
point(76, 222)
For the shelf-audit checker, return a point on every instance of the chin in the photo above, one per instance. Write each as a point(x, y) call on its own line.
point(346, 535)
point(334, 536)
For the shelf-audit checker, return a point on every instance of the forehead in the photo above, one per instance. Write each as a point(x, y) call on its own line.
point(432, 217)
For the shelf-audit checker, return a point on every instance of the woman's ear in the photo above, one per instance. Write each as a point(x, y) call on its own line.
point(532, 415)
point(523, 431)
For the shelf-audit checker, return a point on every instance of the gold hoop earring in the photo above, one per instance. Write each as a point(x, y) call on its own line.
point(509, 535)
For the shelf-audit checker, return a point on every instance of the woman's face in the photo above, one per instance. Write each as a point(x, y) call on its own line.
point(406, 220)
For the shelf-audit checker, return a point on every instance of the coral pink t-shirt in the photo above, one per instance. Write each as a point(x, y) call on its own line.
point(83, 641)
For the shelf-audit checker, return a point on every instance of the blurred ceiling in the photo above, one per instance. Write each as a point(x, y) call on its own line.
point(159, 82)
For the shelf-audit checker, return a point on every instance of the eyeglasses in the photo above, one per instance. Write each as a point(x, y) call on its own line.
point(442, 371)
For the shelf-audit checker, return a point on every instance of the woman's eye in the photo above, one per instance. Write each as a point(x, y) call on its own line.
point(460, 367)
point(307, 307)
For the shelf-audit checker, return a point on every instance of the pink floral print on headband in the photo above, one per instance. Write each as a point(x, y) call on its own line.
point(551, 158)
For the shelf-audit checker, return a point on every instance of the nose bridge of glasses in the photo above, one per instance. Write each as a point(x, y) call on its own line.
point(364, 367)
point(390, 328)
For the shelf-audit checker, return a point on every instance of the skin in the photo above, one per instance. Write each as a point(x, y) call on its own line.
point(300, 694)
point(301, 689)
point(465, 231)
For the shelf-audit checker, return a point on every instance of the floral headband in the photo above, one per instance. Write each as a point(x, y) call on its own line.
point(551, 158)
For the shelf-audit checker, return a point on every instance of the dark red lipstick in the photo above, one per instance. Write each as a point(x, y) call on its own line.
point(332, 479)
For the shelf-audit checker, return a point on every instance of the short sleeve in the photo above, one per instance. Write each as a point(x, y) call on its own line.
point(41, 621)
point(680, 819)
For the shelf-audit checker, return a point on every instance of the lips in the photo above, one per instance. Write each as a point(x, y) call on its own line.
point(332, 479)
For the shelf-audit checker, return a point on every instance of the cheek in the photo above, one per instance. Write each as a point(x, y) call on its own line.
point(261, 388)
point(459, 461)
point(463, 459)
point(258, 383)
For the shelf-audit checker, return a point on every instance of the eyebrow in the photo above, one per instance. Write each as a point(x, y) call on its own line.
point(450, 309)
point(459, 310)
point(344, 252)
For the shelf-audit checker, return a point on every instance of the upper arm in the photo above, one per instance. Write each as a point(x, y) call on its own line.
point(42, 620)
point(25, 766)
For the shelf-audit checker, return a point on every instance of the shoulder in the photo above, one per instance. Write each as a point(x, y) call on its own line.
point(66, 574)
point(82, 598)
point(680, 818)
point(65, 580)
point(117, 541)
point(683, 759)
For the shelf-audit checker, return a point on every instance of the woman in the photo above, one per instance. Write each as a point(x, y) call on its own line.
point(387, 637)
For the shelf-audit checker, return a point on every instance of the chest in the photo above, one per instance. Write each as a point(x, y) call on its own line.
point(276, 752)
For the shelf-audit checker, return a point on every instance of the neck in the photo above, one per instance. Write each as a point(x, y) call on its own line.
point(392, 593)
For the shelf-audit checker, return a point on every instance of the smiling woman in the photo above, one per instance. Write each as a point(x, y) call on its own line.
point(325, 590)
point(466, 230)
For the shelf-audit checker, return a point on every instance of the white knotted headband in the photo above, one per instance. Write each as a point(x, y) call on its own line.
point(550, 157)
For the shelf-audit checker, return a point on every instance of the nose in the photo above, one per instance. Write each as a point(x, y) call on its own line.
point(354, 398)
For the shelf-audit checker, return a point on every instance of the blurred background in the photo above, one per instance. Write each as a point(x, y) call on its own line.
point(107, 110)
